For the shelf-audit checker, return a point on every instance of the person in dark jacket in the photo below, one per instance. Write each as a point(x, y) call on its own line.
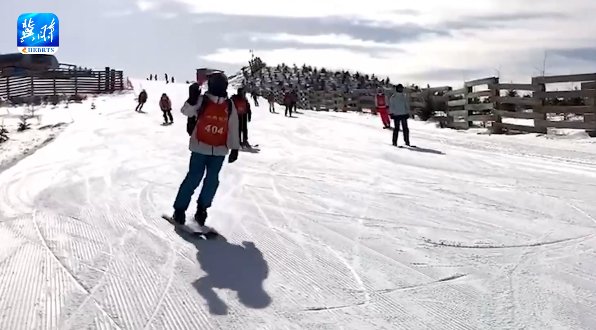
point(287, 102)
point(293, 100)
point(166, 107)
point(244, 115)
point(255, 97)
point(271, 100)
point(142, 100)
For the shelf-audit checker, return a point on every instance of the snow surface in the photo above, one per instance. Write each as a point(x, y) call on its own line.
point(46, 123)
point(328, 227)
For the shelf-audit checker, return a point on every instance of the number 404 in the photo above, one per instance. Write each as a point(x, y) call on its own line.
point(214, 129)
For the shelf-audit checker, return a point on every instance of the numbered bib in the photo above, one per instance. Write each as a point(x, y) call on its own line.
point(212, 124)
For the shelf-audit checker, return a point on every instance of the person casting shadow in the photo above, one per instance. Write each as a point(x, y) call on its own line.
point(241, 268)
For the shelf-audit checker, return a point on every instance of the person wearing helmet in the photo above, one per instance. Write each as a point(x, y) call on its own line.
point(214, 122)
point(244, 115)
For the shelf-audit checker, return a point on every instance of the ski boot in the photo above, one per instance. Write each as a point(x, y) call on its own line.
point(179, 217)
point(201, 215)
point(200, 218)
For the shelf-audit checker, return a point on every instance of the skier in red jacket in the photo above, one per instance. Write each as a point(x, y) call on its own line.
point(382, 108)
point(244, 115)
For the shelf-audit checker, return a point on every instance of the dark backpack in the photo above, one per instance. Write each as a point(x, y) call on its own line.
point(191, 122)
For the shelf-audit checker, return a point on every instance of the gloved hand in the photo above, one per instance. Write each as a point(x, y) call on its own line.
point(190, 124)
point(233, 156)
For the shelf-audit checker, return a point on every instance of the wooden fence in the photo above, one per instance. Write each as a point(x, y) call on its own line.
point(488, 103)
point(60, 83)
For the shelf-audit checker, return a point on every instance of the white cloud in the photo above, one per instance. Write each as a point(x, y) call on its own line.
point(430, 11)
point(145, 5)
point(120, 13)
point(324, 39)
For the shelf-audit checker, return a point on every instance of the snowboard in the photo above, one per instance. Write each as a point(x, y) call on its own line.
point(166, 124)
point(194, 233)
point(407, 147)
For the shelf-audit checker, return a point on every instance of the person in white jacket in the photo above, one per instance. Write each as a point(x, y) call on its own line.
point(399, 110)
point(213, 129)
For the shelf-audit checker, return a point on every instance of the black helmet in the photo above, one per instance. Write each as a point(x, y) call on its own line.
point(217, 85)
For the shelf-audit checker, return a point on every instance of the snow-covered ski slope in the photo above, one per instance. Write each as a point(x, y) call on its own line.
point(328, 227)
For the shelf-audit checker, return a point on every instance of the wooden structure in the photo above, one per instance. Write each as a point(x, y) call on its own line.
point(60, 83)
point(567, 109)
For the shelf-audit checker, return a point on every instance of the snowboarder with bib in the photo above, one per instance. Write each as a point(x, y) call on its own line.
point(399, 108)
point(382, 108)
point(214, 133)
point(244, 115)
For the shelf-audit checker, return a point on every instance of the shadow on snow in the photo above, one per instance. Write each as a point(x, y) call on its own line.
point(250, 150)
point(423, 150)
point(240, 268)
point(427, 150)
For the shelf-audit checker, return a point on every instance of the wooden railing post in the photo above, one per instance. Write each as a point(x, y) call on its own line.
point(112, 80)
point(467, 113)
point(591, 117)
point(98, 73)
point(76, 76)
point(495, 91)
point(107, 78)
point(32, 89)
point(541, 118)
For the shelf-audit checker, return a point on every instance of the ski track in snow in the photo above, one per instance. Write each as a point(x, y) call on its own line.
point(327, 227)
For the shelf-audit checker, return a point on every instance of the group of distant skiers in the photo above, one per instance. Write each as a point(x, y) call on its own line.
point(164, 104)
point(290, 100)
point(218, 127)
point(166, 79)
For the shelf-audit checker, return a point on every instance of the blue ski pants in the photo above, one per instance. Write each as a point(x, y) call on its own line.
point(199, 163)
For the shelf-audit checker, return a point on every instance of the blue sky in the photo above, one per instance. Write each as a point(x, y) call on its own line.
point(424, 41)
